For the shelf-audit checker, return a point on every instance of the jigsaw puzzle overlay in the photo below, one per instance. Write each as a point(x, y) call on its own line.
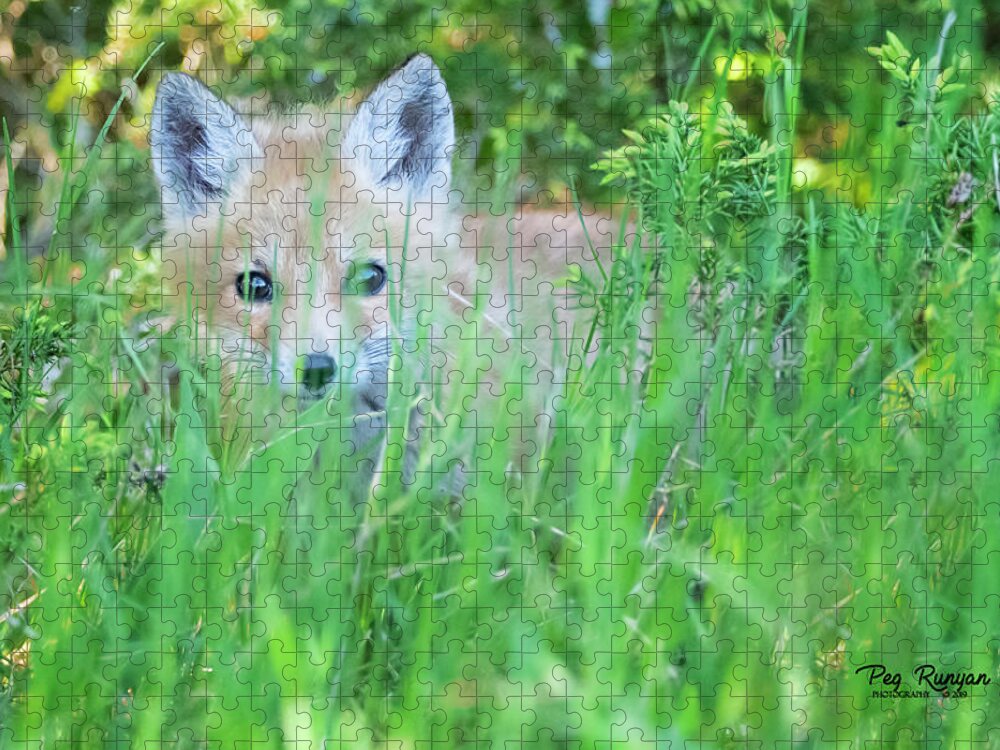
point(542, 375)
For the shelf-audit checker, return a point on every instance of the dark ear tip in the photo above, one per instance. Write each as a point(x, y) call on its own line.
point(170, 86)
point(179, 84)
point(172, 80)
point(421, 63)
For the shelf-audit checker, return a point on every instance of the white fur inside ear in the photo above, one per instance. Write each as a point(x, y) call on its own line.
point(403, 134)
point(198, 144)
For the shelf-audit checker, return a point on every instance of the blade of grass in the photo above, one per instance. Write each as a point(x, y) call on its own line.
point(695, 70)
point(76, 182)
point(13, 217)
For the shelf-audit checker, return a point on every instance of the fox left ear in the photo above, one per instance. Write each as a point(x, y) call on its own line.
point(199, 145)
point(403, 134)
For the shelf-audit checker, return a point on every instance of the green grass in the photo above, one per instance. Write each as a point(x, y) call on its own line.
point(715, 530)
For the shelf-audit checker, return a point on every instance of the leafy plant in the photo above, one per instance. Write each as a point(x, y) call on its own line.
point(672, 182)
point(31, 345)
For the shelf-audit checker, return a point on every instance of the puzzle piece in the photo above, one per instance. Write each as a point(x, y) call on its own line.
point(443, 374)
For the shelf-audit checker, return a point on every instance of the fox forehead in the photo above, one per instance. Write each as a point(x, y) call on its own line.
point(297, 190)
point(297, 213)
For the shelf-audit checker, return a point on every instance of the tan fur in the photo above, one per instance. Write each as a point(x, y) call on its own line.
point(304, 222)
point(301, 221)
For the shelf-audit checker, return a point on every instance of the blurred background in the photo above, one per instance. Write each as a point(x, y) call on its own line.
point(541, 89)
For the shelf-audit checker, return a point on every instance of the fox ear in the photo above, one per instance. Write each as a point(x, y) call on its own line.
point(198, 144)
point(403, 134)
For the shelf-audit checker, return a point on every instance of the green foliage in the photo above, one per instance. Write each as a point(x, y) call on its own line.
point(660, 168)
point(901, 64)
point(802, 445)
point(663, 170)
point(31, 344)
point(922, 83)
point(743, 180)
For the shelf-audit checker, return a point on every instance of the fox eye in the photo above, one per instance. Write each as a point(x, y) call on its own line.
point(254, 287)
point(367, 280)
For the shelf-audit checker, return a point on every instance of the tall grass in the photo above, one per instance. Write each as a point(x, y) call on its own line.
point(717, 526)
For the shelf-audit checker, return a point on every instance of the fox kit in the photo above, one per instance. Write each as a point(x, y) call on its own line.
point(286, 239)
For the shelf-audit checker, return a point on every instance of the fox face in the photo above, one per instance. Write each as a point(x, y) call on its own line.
point(284, 236)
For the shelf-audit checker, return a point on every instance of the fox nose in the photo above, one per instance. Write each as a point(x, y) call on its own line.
point(318, 371)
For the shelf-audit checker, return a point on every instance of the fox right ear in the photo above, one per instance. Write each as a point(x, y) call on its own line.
point(403, 134)
point(198, 143)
